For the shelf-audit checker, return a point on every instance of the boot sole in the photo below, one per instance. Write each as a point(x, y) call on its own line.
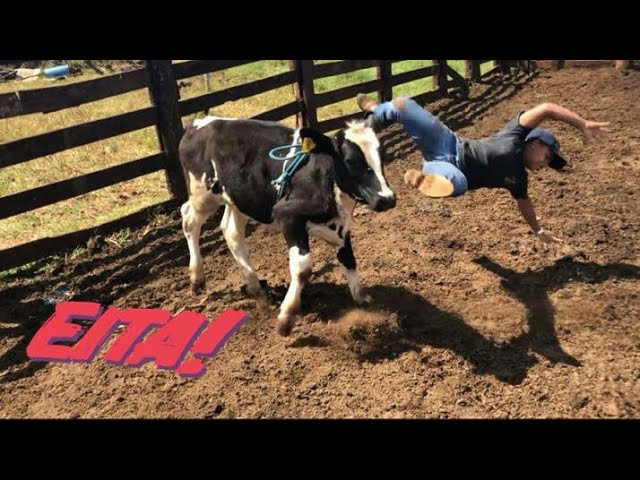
point(435, 186)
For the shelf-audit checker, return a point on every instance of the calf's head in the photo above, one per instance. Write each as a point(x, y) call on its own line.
point(358, 164)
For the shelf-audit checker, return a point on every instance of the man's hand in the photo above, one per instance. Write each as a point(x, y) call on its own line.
point(547, 238)
point(594, 130)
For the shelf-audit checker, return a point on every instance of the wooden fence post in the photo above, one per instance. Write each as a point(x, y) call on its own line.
point(301, 117)
point(308, 93)
point(163, 91)
point(385, 94)
point(504, 66)
point(440, 78)
point(472, 70)
point(206, 90)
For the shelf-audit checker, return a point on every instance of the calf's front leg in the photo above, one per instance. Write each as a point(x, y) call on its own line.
point(300, 268)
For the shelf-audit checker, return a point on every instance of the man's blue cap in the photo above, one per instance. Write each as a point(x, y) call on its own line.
point(545, 136)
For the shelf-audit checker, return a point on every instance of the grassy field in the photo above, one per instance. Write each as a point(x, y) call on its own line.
point(116, 201)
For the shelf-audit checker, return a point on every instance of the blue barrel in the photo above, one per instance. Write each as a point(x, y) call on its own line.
point(57, 71)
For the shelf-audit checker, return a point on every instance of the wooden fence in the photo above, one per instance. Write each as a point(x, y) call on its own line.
point(165, 112)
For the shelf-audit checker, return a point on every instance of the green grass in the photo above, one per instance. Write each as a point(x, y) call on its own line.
point(120, 237)
point(92, 208)
point(118, 200)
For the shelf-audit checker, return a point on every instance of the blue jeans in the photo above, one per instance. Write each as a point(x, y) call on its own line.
point(438, 144)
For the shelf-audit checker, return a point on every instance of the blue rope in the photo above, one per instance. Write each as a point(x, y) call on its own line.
point(273, 156)
point(290, 170)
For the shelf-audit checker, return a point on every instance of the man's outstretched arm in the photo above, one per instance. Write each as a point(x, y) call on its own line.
point(525, 205)
point(533, 117)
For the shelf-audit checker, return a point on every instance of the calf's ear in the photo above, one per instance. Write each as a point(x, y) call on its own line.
point(320, 143)
point(370, 121)
point(338, 139)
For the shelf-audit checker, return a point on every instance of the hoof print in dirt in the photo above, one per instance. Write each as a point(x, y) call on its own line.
point(276, 294)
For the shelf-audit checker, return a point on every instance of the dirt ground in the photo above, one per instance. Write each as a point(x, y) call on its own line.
point(472, 316)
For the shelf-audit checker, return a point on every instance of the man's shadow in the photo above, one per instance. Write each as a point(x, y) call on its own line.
point(421, 323)
point(533, 288)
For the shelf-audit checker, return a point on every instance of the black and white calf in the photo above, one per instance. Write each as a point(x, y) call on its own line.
point(227, 163)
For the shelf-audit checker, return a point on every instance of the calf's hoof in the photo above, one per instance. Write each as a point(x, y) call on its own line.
point(197, 286)
point(284, 326)
point(363, 299)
